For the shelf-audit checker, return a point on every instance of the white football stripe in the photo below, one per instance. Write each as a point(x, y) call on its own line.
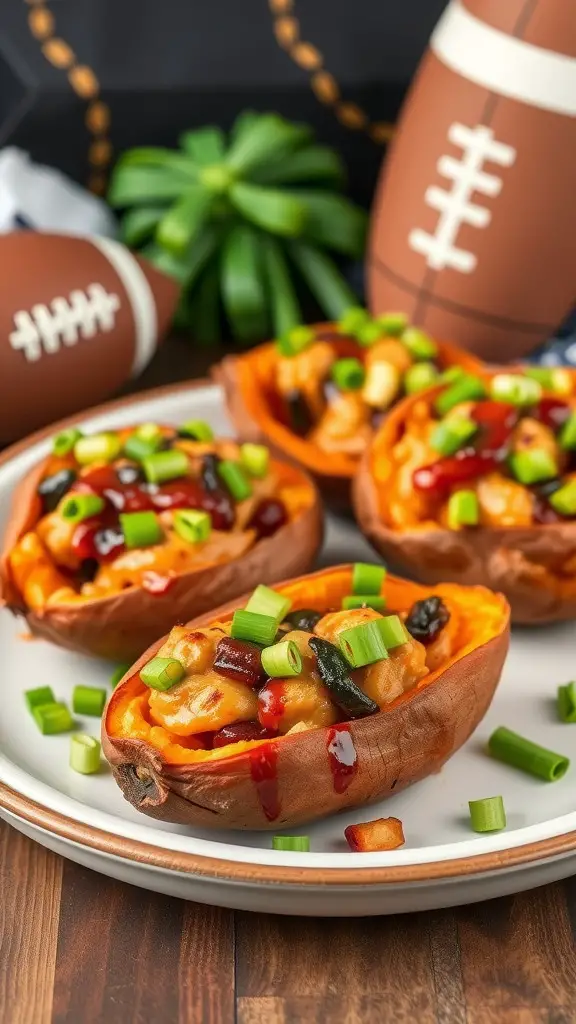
point(140, 295)
point(503, 64)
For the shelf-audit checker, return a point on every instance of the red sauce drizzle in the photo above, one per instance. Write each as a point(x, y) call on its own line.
point(263, 769)
point(271, 704)
point(342, 756)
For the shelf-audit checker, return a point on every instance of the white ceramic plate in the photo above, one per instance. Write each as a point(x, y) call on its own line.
point(443, 862)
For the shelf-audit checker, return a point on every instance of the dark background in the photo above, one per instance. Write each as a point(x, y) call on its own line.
point(163, 65)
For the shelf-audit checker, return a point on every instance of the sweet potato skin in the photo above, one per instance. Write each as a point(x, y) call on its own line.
point(244, 379)
point(119, 627)
point(516, 561)
point(394, 748)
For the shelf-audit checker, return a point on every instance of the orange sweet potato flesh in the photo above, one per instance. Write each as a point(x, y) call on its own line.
point(274, 784)
point(248, 384)
point(524, 563)
point(121, 625)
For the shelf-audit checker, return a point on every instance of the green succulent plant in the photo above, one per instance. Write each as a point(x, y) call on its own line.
point(241, 222)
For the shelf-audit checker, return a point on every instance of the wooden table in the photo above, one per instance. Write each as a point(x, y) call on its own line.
point(78, 948)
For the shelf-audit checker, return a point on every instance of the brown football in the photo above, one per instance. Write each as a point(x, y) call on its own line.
point(78, 318)
point(474, 221)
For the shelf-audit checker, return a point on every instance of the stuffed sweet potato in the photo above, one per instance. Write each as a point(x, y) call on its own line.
point(317, 394)
point(336, 700)
point(476, 483)
point(115, 536)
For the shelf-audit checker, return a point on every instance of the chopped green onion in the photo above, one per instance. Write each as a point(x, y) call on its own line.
point(363, 645)
point(368, 333)
point(295, 340)
point(463, 509)
point(552, 378)
point(419, 377)
point(265, 601)
point(41, 695)
point(296, 844)
point(393, 324)
point(352, 319)
point(88, 700)
point(515, 389)
point(392, 631)
point(162, 466)
point(97, 448)
point(566, 702)
point(259, 629)
point(533, 465)
point(451, 374)
point(139, 448)
point(64, 442)
point(568, 433)
point(84, 754)
point(367, 578)
point(510, 748)
point(196, 430)
point(77, 507)
point(374, 601)
point(466, 389)
point(487, 815)
point(52, 719)
point(255, 459)
point(282, 660)
point(419, 344)
point(149, 432)
point(162, 673)
point(234, 478)
point(563, 500)
point(452, 434)
point(192, 525)
point(119, 673)
point(140, 529)
point(348, 374)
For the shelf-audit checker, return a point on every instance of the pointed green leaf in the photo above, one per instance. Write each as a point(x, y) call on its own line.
point(159, 156)
point(205, 307)
point(165, 261)
point(139, 223)
point(268, 138)
point(323, 278)
point(132, 185)
point(333, 221)
point(186, 269)
point(311, 164)
point(243, 291)
point(284, 305)
point(183, 220)
point(243, 122)
point(275, 211)
point(205, 145)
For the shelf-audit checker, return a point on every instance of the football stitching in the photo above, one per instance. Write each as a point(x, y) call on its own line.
point(44, 329)
point(455, 205)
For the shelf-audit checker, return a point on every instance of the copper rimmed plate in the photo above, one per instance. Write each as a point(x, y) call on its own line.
point(443, 862)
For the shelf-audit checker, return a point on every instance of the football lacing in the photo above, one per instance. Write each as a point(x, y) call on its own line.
point(455, 205)
point(44, 329)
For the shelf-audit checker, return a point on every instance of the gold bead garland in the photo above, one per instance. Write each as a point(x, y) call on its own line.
point(84, 83)
point(325, 87)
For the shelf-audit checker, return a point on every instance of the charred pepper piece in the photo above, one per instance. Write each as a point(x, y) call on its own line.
point(303, 618)
point(335, 675)
point(426, 619)
point(52, 488)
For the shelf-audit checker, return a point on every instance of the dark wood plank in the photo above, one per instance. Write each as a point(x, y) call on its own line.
point(30, 881)
point(342, 971)
point(518, 960)
point(118, 953)
point(206, 972)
